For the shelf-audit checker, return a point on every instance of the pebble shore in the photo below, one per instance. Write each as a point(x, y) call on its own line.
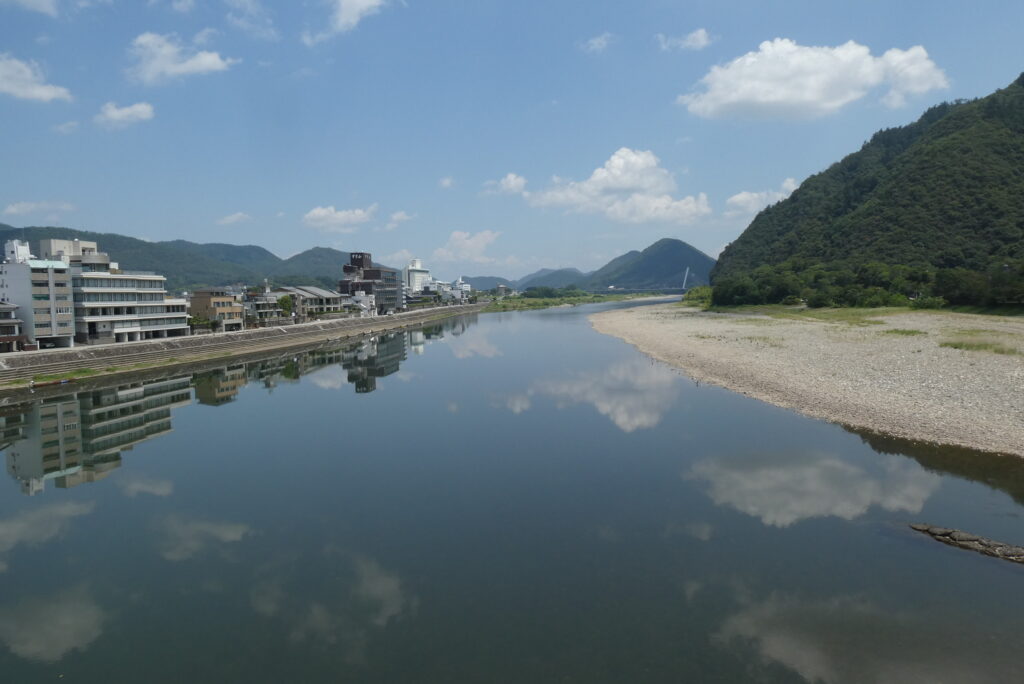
point(901, 383)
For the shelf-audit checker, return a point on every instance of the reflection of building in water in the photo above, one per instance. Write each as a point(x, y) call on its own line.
point(79, 437)
point(417, 342)
point(375, 358)
point(220, 386)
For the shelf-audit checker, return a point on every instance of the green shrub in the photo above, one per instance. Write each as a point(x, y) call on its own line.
point(928, 303)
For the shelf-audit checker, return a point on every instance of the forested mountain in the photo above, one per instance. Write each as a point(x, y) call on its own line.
point(188, 265)
point(662, 265)
point(932, 208)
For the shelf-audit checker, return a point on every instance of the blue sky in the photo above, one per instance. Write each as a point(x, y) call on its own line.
point(485, 137)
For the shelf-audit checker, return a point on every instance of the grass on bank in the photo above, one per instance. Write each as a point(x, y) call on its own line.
point(904, 332)
point(519, 303)
point(994, 347)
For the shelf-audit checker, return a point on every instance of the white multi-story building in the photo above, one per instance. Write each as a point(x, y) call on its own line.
point(415, 276)
point(112, 305)
point(41, 289)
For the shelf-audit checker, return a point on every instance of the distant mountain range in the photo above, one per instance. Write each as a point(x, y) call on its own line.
point(662, 265)
point(188, 265)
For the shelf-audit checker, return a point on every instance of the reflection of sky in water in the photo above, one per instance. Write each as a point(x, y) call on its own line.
point(500, 498)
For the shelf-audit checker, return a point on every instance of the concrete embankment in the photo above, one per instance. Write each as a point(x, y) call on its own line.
point(18, 368)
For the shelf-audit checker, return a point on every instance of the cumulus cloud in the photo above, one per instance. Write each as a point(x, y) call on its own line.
point(231, 219)
point(48, 628)
point(23, 208)
point(467, 247)
point(161, 58)
point(396, 219)
point(66, 128)
point(345, 16)
point(251, 17)
point(511, 184)
point(183, 539)
point(597, 44)
point(695, 40)
point(133, 486)
point(112, 116)
point(631, 187)
point(748, 202)
point(25, 80)
point(402, 256)
point(785, 80)
point(785, 489)
point(38, 525)
point(633, 395)
point(183, 6)
point(331, 220)
point(446, 183)
point(43, 6)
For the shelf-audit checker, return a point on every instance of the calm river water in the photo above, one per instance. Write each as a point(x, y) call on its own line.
point(502, 498)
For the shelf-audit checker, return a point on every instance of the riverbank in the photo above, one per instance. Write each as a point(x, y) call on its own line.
point(56, 365)
point(520, 303)
point(930, 376)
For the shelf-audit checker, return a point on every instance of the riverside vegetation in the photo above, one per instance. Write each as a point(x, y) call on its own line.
point(547, 297)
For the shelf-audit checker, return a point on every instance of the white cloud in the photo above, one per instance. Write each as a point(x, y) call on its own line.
point(696, 40)
point(791, 487)
point(185, 538)
point(345, 16)
point(786, 80)
point(397, 219)
point(597, 44)
point(402, 256)
point(748, 202)
point(48, 628)
point(331, 220)
point(231, 219)
point(518, 403)
point(44, 6)
point(67, 127)
point(113, 116)
point(631, 187)
point(183, 6)
point(253, 18)
point(163, 57)
point(511, 184)
point(38, 525)
point(23, 208)
point(133, 486)
point(25, 80)
point(633, 394)
point(467, 247)
point(205, 36)
point(446, 183)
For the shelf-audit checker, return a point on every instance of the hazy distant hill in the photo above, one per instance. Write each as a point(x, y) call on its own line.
point(932, 207)
point(662, 265)
point(486, 282)
point(188, 265)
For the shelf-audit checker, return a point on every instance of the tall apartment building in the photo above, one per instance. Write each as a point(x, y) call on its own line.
point(383, 283)
point(113, 305)
point(41, 289)
point(218, 304)
point(415, 276)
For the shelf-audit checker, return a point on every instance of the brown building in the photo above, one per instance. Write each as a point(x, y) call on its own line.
point(217, 304)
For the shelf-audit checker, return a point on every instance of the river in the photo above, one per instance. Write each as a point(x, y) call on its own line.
point(494, 498)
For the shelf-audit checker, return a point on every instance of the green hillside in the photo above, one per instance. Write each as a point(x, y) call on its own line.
point(935, 208)
point(547, 277)
point(486, 282)
point(662, 265)
point(188, 265)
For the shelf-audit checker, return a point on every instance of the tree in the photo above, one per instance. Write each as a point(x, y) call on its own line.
point(286, 304)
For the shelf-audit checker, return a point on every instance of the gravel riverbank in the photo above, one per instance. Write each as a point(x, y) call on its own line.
point(888, 372)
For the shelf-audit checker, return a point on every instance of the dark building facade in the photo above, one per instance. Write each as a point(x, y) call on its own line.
point(383, 283)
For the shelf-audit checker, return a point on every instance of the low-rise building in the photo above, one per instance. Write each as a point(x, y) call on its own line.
point(220, 305)
point(383, 283)
point(11, 337)
point(114, 305)
point(310, 301)
point(262, 307)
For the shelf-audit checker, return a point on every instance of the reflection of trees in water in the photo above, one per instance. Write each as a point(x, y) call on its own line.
point(999, 471)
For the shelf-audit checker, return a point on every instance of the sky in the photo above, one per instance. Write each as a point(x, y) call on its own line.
point(484, 137)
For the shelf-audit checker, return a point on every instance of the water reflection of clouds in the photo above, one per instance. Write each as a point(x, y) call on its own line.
point(48, 628)
point(782, 489)
point(38, 525)
point(183, 539)
point(633, 394)
point(847, 640)
point(329, 377)
point(472, 343)
point(132, 486)
point(359, 596)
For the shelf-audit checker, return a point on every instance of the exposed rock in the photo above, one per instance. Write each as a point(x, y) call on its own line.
point(972, 542)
